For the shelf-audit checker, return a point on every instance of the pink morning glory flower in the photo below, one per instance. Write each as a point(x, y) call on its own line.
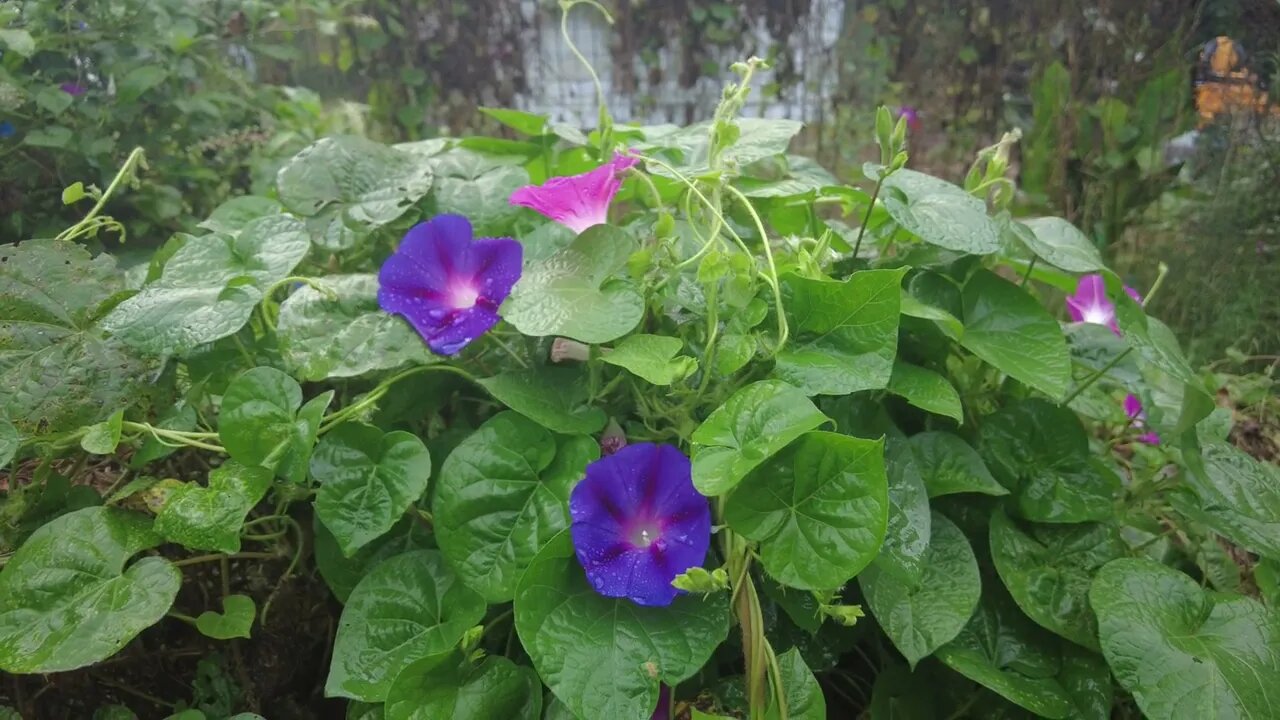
point(447, 285)
point(577, 201)
point(1133, 408)
point(1090, 303)
point(72, 89)
point(638, 522)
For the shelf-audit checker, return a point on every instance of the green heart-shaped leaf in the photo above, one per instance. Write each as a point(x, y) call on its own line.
point(210, 518)
point(579, 292)
point(503, 494)
point(819, 509)
point(1184, 652)
point(66, 598)
point(754, 424)
point(367, 481)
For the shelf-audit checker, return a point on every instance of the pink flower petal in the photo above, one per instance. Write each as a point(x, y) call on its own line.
point(577, 201)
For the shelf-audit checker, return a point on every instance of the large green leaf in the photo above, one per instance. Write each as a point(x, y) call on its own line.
point(1156, 344)
point(66, 598)
point(446, 689)
point(58, 370)
point(263, 422)
point(476, 185)
point(407, 608)
point(1184, 652)
point(1004, 651)
point(1007, 328)
point(1236, 495)
point(926, 390)
point(819, 509)
point(209, 287)
point(342, 573)
point(367, 480)
point(338, 330)
point(503, 494)
point(1040, 452)
point(844, 334)
point(923, 615)
point(1058, 243)
point(580, 292)
point(555, 398)
point(940, 213)
point(907, 536)
point(605, 657)
point(949, 466)
point(348, 180)
point(652, 357)
point(1048, 569)
point(750, 427)
point(804, 699)
point(210, 518)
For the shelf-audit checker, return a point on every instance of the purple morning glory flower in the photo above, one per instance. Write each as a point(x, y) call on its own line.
point(447, 285)
point(1090, 303)
point(72, 89)
point(1133, 408)
point(577, 201)
point(663, 711)
point(638, 522)
point(912, 116)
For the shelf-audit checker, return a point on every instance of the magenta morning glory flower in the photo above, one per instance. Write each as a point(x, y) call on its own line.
point(1090, 303)
point(72, 89)
point(638, 522)
point(577, 201)
point(447, 285)
point(912, 116)
point(1133, 408)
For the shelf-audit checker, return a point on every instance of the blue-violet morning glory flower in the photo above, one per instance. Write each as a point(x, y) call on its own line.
point(7, 129)
point(577, 201)
point(638, 522)
point(447, 285)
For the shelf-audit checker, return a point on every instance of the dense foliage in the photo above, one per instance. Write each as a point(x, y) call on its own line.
point(647, 421)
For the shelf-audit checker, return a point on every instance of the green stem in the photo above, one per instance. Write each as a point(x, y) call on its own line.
point(374, 395)
point(184, 618)
point(126, 170)
point(197, 559)
point(606, 124)
point(174, 438)
point(783, 329)
point(866, 218)
point(1163, 270)
point(1027, 275)
point(1094, 377)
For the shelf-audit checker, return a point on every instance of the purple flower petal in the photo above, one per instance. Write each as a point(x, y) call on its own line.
point(638, 522)
point(447, 285)
point(1133, 406)
point(1133, 409)
point(72, 89)
point(577, 201)
point(663, 711)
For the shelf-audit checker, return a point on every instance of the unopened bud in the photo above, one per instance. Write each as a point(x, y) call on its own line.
point(846, 615)
point(563, 349)
point(613, 439)
point(699, 580)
